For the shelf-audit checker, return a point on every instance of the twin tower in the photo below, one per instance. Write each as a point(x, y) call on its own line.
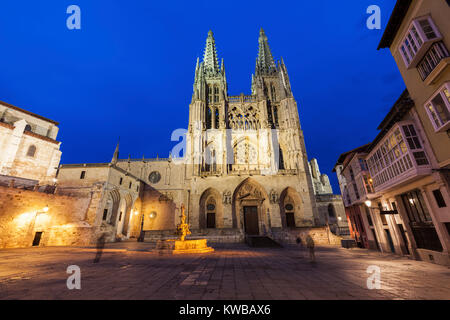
point(258, 133)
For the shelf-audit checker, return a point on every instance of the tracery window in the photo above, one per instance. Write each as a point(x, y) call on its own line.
point(244, 118)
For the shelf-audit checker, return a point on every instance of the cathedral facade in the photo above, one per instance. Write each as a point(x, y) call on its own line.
point(243, 169)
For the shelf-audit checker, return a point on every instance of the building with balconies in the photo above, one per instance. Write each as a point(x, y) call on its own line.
point(418, 36)
point(389, 188)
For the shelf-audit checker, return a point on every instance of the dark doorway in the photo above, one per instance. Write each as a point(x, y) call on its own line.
point(376, 240)
point(251, 220)
point(405, 239)
point(210, 220)
point(290, 220)
point(391, 244)
point(37, 239)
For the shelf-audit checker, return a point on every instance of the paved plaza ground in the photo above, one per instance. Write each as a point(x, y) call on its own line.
point(130, 271)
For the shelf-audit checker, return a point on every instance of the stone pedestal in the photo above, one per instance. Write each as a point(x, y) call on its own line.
point(181, 247)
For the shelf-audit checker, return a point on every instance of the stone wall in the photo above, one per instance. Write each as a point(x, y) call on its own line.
point(323, 203)
point(320, 235)
point(22, 214)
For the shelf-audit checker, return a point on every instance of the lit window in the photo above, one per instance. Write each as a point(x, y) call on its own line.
point(392, 157)
point(438, 109)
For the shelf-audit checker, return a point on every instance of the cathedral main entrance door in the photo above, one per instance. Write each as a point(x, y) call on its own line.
point(251, 220)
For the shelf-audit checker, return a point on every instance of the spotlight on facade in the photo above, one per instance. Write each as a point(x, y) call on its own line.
point(55, 180)
point(368, 203)
point(135, 212)
point(152, 215)
point(45, 209)
point(339, 218)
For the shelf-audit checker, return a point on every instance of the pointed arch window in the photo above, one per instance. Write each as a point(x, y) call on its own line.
point(273, 92)
point(213, 160)
point(216, 118)
point(208, 118)
point(281, 160)
point(210, 93)
point(331, 211)
point(275, 115)
point(216, 94)
point(31, 151)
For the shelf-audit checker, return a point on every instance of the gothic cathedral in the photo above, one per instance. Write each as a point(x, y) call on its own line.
point(244, 168)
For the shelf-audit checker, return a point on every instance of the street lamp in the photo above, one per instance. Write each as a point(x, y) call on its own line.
point(368, 203)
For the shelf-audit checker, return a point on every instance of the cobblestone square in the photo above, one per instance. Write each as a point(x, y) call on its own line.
point(131, 271)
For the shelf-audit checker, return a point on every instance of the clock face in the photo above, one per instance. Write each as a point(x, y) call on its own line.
point(154, 177)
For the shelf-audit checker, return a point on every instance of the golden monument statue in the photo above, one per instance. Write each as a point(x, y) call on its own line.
point(174, 246)
point(183, 227)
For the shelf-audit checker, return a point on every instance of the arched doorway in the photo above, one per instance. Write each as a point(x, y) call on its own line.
point(290, 208)
point(111, 207)
point(331, 213)
point(250, 208)
point(211, 209)
point(124, 214)
point(126, 221)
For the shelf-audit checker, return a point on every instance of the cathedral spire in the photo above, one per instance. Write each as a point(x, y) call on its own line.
point(265, 63)
point(222, 68)
point(115, 157)
point(210, 56)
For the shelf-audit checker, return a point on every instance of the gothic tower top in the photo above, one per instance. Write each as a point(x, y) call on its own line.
point(265, 64)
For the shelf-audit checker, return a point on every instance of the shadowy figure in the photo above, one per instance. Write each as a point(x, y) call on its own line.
point(310, 246)
point(100, 245)
point(299, 242)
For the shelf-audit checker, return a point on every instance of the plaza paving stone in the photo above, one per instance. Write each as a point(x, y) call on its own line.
point(131, 271)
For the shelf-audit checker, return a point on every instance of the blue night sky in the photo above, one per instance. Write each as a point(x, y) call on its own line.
point(129, 71)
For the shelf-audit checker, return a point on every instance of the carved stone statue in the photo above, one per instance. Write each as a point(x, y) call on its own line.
point(273, 197)
point(227, 197)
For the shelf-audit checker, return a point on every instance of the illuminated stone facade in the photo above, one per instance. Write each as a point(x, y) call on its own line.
point(28, 146)
point(243, 156)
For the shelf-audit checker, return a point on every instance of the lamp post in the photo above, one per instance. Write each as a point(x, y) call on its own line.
point(368, 203)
